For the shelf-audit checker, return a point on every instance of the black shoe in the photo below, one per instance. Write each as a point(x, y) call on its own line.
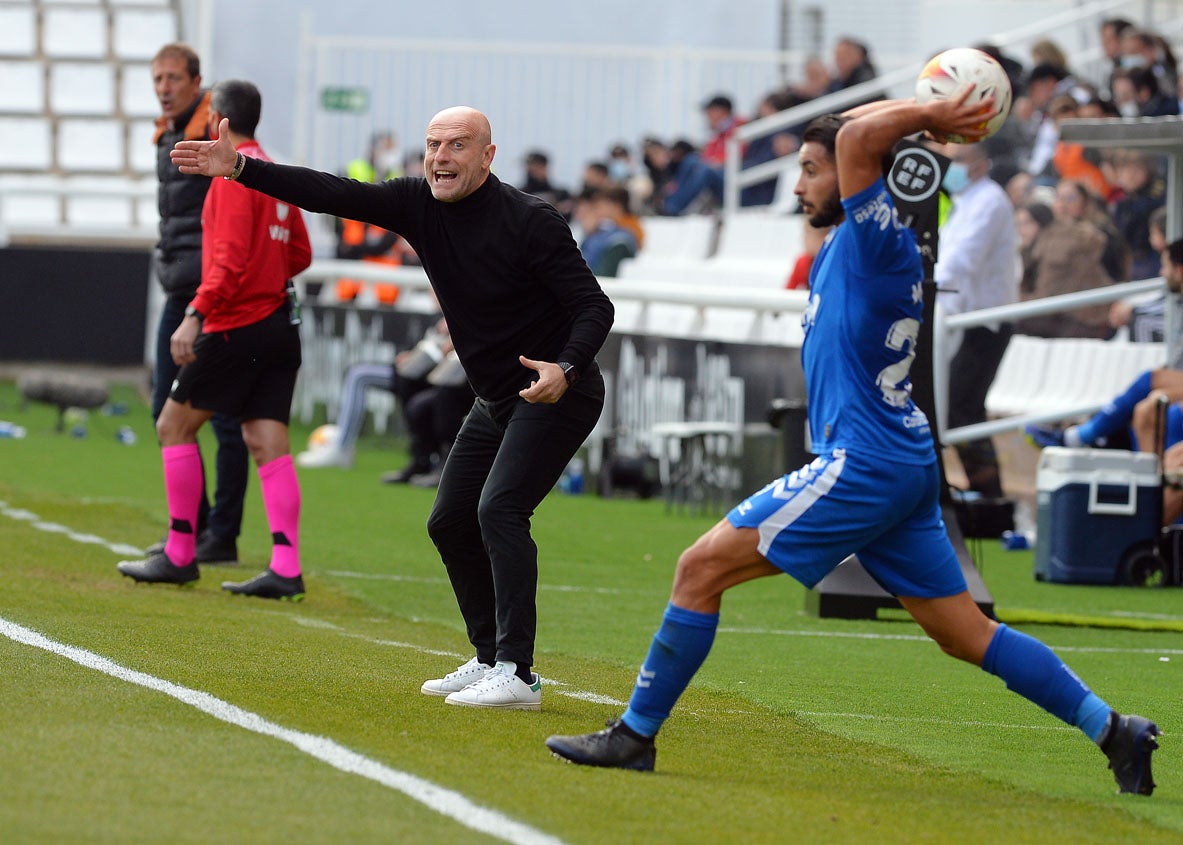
point(156, 548)
point(615, 747)
point(404, 475)
point(1130, 743)
point(212, 550)
point(268, 585)
point(158, 569)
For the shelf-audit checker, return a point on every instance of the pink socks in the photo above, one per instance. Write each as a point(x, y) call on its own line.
point(184, 478)
point(281, 500)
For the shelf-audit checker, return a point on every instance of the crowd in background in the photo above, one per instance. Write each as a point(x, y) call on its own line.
point(1077, 207)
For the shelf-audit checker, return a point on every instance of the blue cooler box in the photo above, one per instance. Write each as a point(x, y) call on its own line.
point(1092, 506)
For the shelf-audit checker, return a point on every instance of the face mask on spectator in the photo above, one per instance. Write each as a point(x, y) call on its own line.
point(1129, 109)
point(1133, 60)
point(956, 178)
point(618, 169)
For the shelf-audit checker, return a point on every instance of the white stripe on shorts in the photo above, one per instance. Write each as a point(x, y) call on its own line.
point(802, 488)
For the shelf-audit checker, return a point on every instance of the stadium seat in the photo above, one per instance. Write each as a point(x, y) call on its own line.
point(74, 33)
point(671, 245)
point(22, 87)
point(77, 88)
point(88, 145)
point(26, 143)
point(137, 33)
point(18, 31)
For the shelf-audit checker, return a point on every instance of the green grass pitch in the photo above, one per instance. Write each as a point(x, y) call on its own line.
point(797, 729)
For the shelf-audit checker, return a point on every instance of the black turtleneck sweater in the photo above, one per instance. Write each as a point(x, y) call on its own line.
point(506, 270)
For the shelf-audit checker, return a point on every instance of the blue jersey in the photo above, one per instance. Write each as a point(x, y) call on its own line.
point(865, 308)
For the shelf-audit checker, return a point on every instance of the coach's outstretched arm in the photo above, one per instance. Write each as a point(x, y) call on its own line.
point(207, 158)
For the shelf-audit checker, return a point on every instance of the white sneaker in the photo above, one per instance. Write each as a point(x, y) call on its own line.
point(328, 456)
point(500, 687)
point(452, 682)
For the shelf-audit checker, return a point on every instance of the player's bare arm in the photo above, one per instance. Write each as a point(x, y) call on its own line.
point(207, 158)
point(875, 130)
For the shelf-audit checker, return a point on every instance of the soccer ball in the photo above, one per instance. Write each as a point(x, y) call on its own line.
point(322, 437)
point(949, 72)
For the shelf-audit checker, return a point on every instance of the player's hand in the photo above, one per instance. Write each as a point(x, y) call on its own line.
point(181, 343)
point(206, 158)
point(551, 384)
point(955, 118)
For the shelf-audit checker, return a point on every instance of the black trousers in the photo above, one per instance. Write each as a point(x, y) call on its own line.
point(971, 372)
point(506, 458)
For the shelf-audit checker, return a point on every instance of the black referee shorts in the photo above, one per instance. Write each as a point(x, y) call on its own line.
point(248, 373)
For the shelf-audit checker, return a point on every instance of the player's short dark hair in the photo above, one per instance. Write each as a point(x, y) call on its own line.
point(185, 53)
point(824, 130)
point(240, 102)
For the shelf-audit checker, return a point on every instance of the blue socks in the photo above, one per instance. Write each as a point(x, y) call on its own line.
point(1033, 671)
point(1117, 414)
point(679, 647)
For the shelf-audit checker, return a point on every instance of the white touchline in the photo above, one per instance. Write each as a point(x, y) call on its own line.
point(443, 801)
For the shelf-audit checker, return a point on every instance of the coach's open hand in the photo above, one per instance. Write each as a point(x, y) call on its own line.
point(551, 384)
point(206, 158)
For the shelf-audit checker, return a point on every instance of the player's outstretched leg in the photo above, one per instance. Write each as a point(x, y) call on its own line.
point(1034, 671)
point(678, 650)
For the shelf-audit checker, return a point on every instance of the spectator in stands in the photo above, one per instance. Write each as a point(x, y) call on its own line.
point(722, 121)
point(624, 172)
point(238, 348)
point(1076, 202)
point(382, 161)
point(815, 80)
point(1144, 90)
point(1048, 52)
point(1061, 256)
point(184, 107)
point(1073, 160)
point(977, 268)
point(1044, 83)
point(357, 241)
point(617, 205)
point(595, 176)
point(1144, 316)
point(695, 187)
point(1142, 48)
point(658, 163)
point(767, 148)
point(605, 242)
point(1137, 175)
point(1113, 30)
point(527, 318)
point(697, 183)
point(538, 183)
point(433, 396)
point(852, 66)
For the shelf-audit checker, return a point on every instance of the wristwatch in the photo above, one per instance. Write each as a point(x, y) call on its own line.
point(569, 372)
point(190, 311)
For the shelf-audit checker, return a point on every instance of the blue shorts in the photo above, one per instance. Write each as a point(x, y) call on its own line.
point(841, 504)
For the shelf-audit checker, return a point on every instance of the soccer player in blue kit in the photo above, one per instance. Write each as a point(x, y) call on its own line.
point(874, 489)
